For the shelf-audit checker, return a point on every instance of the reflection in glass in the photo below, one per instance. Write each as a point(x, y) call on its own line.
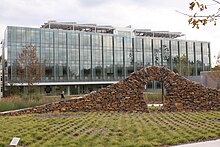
point(87, 56)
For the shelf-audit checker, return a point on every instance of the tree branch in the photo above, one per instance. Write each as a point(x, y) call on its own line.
point(214, 15)
point(216, 1)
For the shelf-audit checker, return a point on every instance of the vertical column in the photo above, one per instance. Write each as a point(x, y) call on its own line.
point(92, 74)
point(202, 57)
point(123, 46)
point(195, 62)
point(103, 68)
point(178, 47)
point(209, 56)
point(68, 90)
point(113, 52)
point(80, 76)
point(125, 52)
point(171, 58)
point(152, 49)
point(161, 52)
point(4, 68)
point(54, 57)
point(67, 57)
point(142, 43)
point(133, 57)
point(187, 57)
point(40, 47)
point(153, 62)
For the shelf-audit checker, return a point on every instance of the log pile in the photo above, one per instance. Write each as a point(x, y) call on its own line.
point(127, 95)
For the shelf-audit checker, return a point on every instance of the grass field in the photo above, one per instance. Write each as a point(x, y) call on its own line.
point(110, 128)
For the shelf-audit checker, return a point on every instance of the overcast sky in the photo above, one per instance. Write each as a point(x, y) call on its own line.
point(157, 15)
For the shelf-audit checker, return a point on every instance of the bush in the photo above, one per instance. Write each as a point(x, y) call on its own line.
point(13, 90)
point(25, 101)
point(36, 97)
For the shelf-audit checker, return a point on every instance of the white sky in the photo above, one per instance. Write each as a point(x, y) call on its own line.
point(157, 15)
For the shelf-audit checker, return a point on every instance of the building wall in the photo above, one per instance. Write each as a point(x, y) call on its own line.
point(82, 56)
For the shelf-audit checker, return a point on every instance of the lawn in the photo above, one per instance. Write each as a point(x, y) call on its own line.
point(110, 128)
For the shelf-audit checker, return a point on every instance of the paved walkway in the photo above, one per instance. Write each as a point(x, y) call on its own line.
point(213, 143)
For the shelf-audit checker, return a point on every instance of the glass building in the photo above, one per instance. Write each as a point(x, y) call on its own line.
point(80, 58)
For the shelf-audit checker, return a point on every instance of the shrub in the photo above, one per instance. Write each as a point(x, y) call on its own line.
point(25, 101)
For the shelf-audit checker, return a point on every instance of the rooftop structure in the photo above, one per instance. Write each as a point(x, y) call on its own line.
point(108, 29)
point(78, 27)
point(163, 34)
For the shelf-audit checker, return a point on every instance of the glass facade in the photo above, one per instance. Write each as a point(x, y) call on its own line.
point(74, 56)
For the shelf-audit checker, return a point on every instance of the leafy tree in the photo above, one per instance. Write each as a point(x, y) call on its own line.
point(28, 68)
point(200, 14)
point(182, 65)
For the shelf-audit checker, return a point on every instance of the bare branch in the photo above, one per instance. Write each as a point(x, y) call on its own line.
point(216, 1)
point(29, 69)
point(217, 15)
point(183, 13)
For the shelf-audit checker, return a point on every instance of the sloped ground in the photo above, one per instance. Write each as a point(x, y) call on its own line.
point(110, 128)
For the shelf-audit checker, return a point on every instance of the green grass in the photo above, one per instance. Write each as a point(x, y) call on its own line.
point(153, 98)
point(13, 103)
point(110, 128)
point(154, 108)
